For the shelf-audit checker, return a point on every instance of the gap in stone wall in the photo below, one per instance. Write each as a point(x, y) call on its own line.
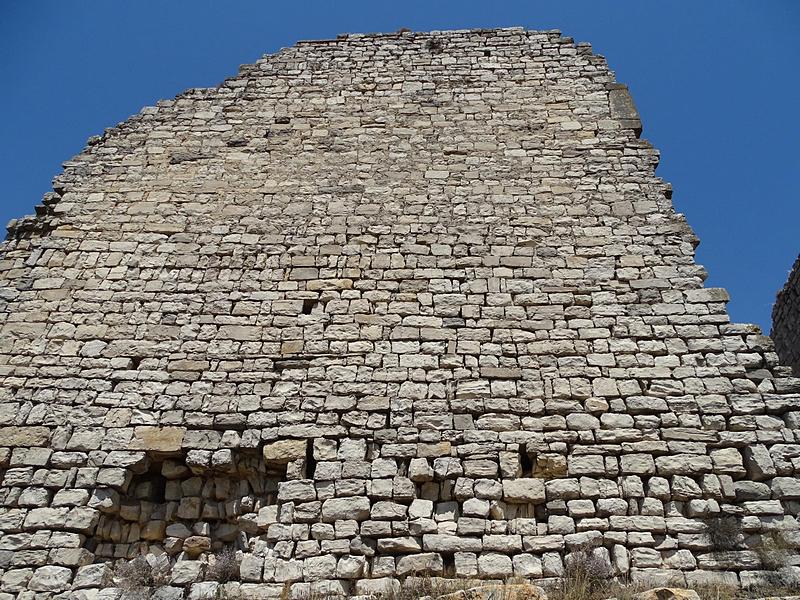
point(186, 505)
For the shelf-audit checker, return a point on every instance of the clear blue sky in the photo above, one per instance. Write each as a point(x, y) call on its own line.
point(716, 81)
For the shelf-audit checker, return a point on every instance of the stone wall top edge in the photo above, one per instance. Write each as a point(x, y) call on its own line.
point(39, 223)
point(411, 33)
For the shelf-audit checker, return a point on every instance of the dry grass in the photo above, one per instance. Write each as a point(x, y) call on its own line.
point(774, 550)
point(136, 577)
point(586, 576)
point(224, 566)
point(717, 592)
point(725, 532)
point(416, 587)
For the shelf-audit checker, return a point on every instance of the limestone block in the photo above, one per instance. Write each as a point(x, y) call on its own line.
point(186, 572)
point(424, 563)
point(683, 464)
point(763, 507)
point(447, 468)
point(562, 489)
point(299, 491)
point(527, 566)
point(352, 449)
point(50, 579)
point(421, 509)
point(162, 439)
point(388, 510)
point(786, 488)
point(24, 436)
point(524, 490)
point(758, 462)
point(729, 461)
point(419, 527)
point(419, 470)
point(45, 518)
point(476, 507)
point(317, 568)
point(450, 543)
point(356, 508)
point(494, 565)
point(502, 543)
point(729, 560)
point(203, 590)
point(195, 545)
point(399, 545)
point(384, 467)
point(97, 575)
point(751, 490)
point(350, 567)
point(471, 526)
point(586, 465)
point(637, 464)
point(544, 543)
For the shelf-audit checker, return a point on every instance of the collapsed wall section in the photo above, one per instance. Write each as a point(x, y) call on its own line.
point(378, 307)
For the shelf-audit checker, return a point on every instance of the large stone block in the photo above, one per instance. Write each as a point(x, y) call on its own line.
point(162, 439)
point(24, 436)
point(524, 490)
point(284, 451)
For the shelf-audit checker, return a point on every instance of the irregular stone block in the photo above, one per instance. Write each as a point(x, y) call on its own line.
point(162, 439)
point(284, 451)
point(524, 490)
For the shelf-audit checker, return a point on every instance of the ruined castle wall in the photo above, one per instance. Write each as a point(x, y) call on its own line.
point(376, 307)
point(786, 321)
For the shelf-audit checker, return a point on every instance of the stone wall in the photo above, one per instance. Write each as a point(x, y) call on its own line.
point(377, 307)
point(786, 320)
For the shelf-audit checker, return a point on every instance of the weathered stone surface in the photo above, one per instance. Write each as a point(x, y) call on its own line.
point(163, 439)
point(284, 451)
point(425, 563)
point(524, 491)
point(50, 579)
point(382, 306)
point(357, 509)
point(24, 436)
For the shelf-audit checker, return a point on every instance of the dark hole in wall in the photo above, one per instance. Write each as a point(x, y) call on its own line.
point(152, 485)
point(402, 467)
point(311, 462)
point(526, 462)
point(449, 561)
point(434, 45)
point(487, 52)
point(308, 305)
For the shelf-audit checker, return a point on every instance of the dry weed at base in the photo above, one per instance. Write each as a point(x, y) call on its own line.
point(136, 577)
point(224, 566)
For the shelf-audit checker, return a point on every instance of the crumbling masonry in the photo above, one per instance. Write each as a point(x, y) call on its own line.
point(382, 306)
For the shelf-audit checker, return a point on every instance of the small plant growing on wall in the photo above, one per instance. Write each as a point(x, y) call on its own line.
point(725, 532)
point(585, 575)
point(224, 566)
point(136, 577)
point(773, 550)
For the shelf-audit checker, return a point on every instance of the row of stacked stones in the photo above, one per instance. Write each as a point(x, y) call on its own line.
point(379, 307)
point(786, 320)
